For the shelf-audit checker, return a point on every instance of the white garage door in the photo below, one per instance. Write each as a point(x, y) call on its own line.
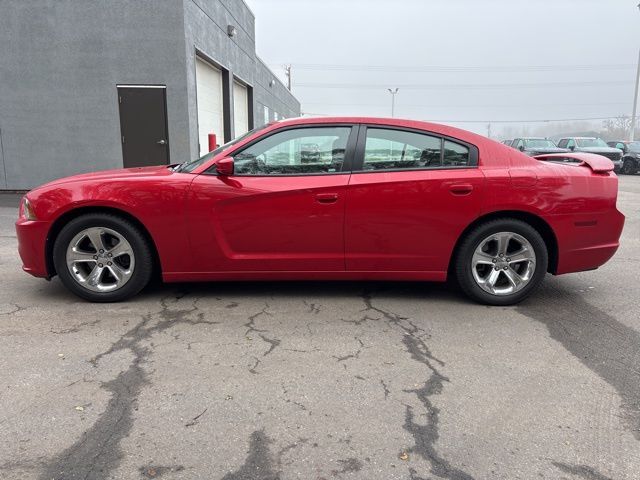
point(209, 98)
point(240, 109)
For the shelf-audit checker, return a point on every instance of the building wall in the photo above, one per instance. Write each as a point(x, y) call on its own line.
point(206, 24)
point(61, 60)
point(60, 63)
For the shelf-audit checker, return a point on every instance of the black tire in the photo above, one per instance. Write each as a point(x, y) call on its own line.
point(141, 249)
point(463, 260)
point(629, 167)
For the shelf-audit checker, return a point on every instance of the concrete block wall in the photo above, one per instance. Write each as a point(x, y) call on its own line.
point(61, 60)
point(60, 63)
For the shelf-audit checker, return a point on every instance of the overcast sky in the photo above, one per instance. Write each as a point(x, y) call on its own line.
point(455, 60)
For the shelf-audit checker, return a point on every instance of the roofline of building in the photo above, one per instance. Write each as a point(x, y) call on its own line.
point(275, 76)
point(249, 8)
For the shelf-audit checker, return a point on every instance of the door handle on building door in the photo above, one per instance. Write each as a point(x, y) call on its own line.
point(162, 142)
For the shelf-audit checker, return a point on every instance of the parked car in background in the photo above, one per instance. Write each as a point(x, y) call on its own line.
point(630, 155)
point(507, 142)
point(536, 145)
point(593, 145)
point(388, 199)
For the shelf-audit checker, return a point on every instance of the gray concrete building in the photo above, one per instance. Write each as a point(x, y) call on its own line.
point(96, 84)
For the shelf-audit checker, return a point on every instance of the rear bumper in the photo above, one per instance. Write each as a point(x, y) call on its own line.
point(587, 241)
point(32, 238)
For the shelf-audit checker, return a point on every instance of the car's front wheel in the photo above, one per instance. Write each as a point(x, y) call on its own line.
point(501, 262)
point(102, 257)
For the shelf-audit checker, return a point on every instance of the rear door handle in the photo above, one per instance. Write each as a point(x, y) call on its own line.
point(461, 188)
point(327, 197)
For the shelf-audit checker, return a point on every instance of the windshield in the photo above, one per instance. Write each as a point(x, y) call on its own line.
point(634, 146)
point(191, 165)
point(539, 143)
point(591, 142)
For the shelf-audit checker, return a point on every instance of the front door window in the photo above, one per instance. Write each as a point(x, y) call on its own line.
point(301, 151)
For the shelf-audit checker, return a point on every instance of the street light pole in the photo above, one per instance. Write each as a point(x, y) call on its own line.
point(635, 100)
point(393, 99)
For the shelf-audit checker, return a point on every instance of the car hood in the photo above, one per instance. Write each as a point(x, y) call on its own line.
point(120, 173)
point(598, 149)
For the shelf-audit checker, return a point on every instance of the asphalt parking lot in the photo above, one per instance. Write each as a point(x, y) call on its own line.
point(322, 380)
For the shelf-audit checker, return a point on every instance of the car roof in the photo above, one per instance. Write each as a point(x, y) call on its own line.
point(438, 128)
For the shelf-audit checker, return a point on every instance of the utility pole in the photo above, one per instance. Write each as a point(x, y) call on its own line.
point(635, 100)
point(393, 99)
point(488, 130)
point(287, 72)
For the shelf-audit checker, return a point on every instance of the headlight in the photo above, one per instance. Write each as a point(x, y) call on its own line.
point(27, 209)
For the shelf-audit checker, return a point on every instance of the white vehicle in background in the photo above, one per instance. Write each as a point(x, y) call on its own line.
point(593, 145)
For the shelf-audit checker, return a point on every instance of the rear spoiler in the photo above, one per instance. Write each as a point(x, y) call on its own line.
point(597, 163)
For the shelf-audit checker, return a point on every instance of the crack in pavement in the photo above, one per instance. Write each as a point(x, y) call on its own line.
point(425, 436)
point(259, 464)
point(313, 307)
point(253, 369)
point(75, 328)
point(349, 465)
point(10, 308)
point(251, 328)
point(156, 471)
point(351, 355)
point(582, 471)
point(251, 324)
point(385, 389)
point(606, 346)
point(97, 452)
point(273, 343)
point(194, 420)
point(301, 406)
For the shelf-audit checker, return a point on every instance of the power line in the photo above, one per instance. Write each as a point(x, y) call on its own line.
point(450, 105)
point(460, 86)
point(461, 68)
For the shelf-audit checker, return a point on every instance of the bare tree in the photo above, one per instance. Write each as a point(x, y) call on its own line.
point(616, 128)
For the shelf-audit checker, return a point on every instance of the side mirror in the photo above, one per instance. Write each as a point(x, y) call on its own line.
point(521, 148)
point(572, 148)
point(224, 166)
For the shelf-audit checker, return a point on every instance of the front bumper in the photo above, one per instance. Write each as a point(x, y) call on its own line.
point(32, 240)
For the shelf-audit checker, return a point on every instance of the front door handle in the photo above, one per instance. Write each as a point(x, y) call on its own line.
point(327, 197)
point(461, 188)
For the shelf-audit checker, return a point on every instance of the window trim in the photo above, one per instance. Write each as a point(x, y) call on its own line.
point(346, 164)
point(358, 163)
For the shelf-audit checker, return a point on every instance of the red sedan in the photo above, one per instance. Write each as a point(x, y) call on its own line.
point(330, 199)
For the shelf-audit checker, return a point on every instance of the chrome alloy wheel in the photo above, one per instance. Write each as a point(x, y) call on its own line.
point(100, 259)
point(503, 263)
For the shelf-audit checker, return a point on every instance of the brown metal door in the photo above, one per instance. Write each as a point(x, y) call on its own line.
point(143, 126)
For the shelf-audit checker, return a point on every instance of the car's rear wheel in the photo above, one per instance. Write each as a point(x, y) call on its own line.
point(629, 167)
point(102, 257)
point(501, 262)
